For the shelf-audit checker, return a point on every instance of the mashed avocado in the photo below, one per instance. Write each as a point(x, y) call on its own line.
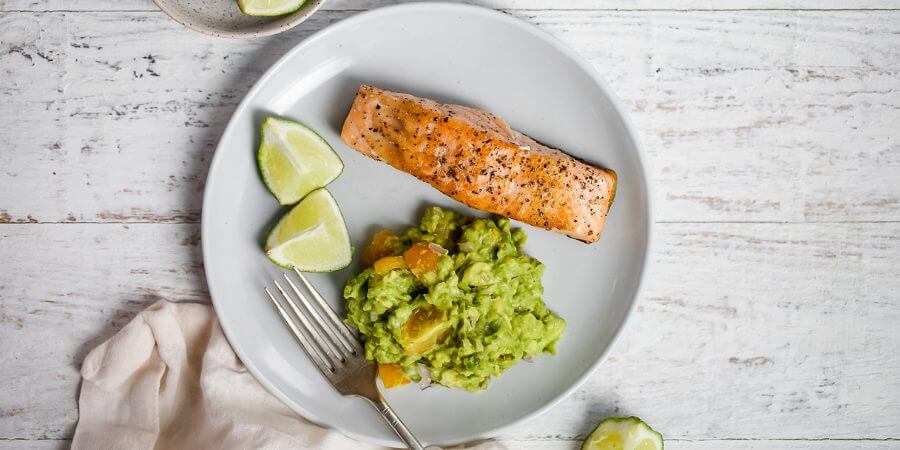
point(455, 296)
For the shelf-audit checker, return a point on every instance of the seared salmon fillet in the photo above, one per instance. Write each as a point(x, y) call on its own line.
point(474, 157)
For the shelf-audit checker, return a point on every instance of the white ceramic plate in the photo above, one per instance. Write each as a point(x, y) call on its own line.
point(453, 53)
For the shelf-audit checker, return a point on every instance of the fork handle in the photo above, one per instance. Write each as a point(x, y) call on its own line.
point(399, 427)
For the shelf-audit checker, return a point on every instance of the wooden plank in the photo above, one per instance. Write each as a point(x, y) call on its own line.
point(110, 117)
point(147, 5)
point(568, 445)
point(44, 444)
point(67, 288)
point(746, 326)
point(763, 331)
point(724, 444)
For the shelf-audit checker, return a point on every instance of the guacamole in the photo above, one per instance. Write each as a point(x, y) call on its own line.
point(454, 300)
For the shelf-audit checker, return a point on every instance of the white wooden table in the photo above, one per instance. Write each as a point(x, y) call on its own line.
point(772, 315)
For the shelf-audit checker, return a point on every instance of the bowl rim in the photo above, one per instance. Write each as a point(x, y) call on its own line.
point(578, 60)
point(308, 8)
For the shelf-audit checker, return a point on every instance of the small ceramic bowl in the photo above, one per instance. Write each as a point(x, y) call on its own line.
point(223, 18)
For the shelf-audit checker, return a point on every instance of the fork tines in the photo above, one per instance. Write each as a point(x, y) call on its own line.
point(338, 344)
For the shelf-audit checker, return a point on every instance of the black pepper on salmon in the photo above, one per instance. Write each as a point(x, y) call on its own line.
point(476, 158)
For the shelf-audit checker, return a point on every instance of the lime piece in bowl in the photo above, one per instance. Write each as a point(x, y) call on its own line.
point(311, 237)
point(626, 433)
point(294, 160)
point(269, 7)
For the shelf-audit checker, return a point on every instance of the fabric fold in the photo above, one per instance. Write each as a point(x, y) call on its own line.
point(170, 380)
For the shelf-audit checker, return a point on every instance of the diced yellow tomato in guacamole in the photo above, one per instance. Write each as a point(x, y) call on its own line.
point(425, 328)
point(423, 257)
point(389, 263)
point(392, 375)
point(378, 248)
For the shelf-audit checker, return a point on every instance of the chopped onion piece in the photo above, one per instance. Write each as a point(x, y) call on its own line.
point(437, 248)
point(425, 382)
point(528, 358)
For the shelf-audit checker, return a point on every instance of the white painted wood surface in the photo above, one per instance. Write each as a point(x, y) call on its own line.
point(572, 445)
point(770, 317)
point(791, 116)
point(680, 5)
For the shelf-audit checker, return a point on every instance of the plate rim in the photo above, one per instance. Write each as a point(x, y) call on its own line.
point(538, 32)
point(287, 22)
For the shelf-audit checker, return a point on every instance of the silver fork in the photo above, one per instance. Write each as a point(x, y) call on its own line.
point(335, 351)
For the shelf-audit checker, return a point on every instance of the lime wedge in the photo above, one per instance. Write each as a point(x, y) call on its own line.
point(311, 237)
point(269, 7)
point(627, 433)
point(294, 160)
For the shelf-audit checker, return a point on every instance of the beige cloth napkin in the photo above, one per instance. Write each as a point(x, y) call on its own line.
point(169, 380)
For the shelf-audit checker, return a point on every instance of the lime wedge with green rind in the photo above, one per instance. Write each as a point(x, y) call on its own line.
point(294, 160)
point(312, 236)
point(625, 433)
point(269, 7)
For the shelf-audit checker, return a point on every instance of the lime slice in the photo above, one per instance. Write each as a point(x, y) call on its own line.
point(294, 160)
point(311, 237)
point(269, 7)
point(627, 433)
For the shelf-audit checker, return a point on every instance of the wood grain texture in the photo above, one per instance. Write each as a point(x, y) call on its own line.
point(147, 5)
point(33, 444)
point(574, 444)
point(750, 116)
point(67, 288)
point(723, 444)
point(763, 331)
point(775, 333)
